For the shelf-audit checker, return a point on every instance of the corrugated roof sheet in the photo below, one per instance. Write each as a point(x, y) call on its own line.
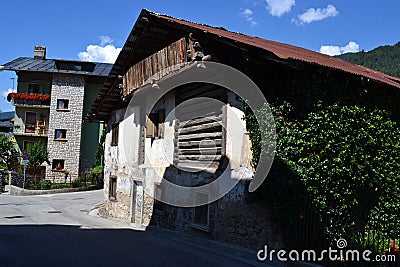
point(286, 51)
point(110, 93)
point(49, 65)
point(6, 124)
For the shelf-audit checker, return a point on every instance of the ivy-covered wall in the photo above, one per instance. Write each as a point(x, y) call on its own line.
point(338, 144)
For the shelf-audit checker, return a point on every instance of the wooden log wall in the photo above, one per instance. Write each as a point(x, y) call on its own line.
point(199, 131)
point(158, 65)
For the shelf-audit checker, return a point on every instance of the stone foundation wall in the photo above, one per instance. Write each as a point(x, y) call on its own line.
point(247, 225)
point(148, 203)
point(231, 220)
point(120, 208)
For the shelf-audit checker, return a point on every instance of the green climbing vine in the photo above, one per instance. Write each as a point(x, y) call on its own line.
point(346, 160)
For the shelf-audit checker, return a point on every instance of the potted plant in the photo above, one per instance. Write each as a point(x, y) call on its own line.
point(29, 98)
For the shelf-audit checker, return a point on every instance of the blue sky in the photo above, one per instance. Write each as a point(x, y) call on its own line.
point(96, 30)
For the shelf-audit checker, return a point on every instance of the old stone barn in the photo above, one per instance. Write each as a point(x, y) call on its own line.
point(189, 142)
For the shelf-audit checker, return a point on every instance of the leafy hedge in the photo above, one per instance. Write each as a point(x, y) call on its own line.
point(343, 159)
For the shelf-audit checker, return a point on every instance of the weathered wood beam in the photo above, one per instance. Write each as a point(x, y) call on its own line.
point(195, 165)
point(200, 157)
point(201, 128)
point(203, 143)
point(193, 122)
point(201, 151)
point(200, 136)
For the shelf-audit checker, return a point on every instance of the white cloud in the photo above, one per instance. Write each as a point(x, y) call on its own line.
point(351, 48)
point(248, 15)
point(278, 8)
point(331, 50)
point(105, 52)
point(334, 50)
point(313, 14)
point(5, 93)
point(105, 40)
point(246, 12)
point(253, 23)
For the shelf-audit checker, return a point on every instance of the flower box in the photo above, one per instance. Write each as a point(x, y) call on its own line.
point(37, 99)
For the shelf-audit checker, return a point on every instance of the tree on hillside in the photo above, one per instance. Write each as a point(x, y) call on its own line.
point(384, 58)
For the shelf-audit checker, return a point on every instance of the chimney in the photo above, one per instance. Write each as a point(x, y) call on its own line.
point(39, 52)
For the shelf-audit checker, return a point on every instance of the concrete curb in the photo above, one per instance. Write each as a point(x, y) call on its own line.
point(95, 212)
point(17, 191)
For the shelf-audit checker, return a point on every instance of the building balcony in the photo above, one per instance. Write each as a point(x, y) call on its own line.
point(30, 130)
point(29, 100)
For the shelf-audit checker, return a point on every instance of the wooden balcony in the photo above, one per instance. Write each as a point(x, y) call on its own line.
point(38, 130)
point(161, 64)
point(31, 104)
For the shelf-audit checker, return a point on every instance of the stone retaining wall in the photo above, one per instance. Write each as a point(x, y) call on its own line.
point(17, 191)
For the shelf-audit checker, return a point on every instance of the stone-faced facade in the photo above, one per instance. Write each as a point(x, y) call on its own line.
point(51, 98)
point(68, 120)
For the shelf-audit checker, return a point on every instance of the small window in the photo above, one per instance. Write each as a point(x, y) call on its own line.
point(201, 213)
point(33, 88)
point(75, 66)
point(58, 164)
point(30, 122)
point(112, 191)
point(155, 125)
point(62, 104)
point(60, 134)
point(114, 134)
point(26, 144)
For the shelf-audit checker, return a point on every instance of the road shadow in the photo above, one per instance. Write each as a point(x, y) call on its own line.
point(57, 245)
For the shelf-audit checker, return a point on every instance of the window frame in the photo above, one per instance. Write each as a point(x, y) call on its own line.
point(25, 144)
point(63, 101)
point(155, 124)
point(31, 125)
point(55, 163)
point(198, 224)
point(62, 132)
point(30, 90)
point(112, 188)
point(114, 134)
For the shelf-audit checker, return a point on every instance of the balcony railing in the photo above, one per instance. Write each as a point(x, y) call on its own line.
point(32, 130)
point(26, 99)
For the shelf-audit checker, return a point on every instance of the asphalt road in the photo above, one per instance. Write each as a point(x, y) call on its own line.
point(56, 230)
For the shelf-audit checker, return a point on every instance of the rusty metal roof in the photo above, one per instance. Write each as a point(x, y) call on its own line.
point(142, 43)
point(286, 51)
